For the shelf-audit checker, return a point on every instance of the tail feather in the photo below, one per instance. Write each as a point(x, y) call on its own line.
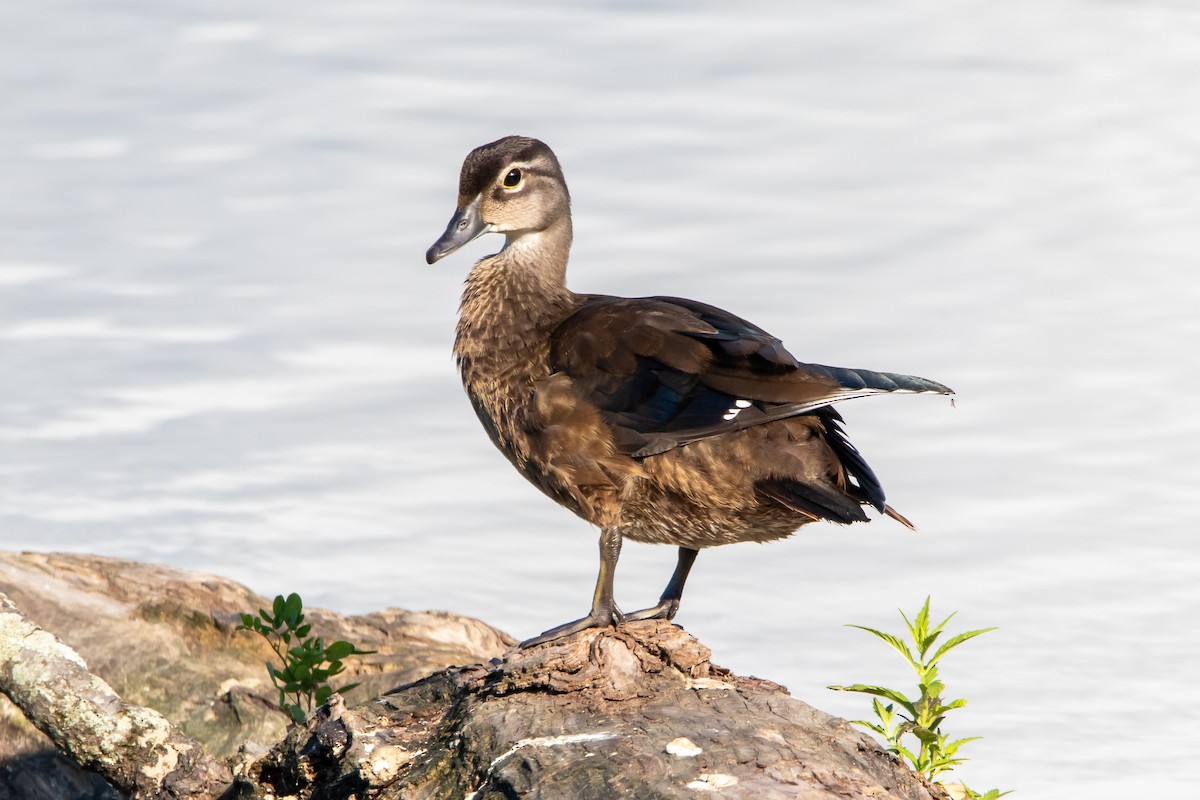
point(812, 500)
point(868, 380)
point(856, 466)
point(896, 515)
point(844, 505)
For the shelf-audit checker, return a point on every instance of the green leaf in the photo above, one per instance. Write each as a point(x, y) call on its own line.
point(323, 694)
point(924, 644)
point(871, 726)
point(339, 650)
point(955, 641)
point(991, 794)
point(292, 609)
point(885, 713)
point(295, 712)
point(950, 748)
point(906, 753)
point(894, 641)
point(917, 626)
point(925, 735)
point(938, 628)
point(879, 691)
point(303, 631)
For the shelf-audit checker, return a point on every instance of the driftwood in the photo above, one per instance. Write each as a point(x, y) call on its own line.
point(637, 711)
point(166, 639)
point(133, 747)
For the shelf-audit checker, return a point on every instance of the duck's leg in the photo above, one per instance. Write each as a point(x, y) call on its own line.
point(604, 608)
point(668, 604)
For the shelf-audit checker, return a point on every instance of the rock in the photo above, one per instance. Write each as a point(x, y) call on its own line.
point(166, 638)
point(638, 711)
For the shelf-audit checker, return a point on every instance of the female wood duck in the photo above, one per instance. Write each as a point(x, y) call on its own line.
point(657, 419)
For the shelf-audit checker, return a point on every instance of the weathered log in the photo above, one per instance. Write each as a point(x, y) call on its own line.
point(165, 638)
point(133, 747)
point(636, 711)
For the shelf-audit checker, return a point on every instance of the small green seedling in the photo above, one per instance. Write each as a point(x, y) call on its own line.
point(934, 752)
point(308, 663)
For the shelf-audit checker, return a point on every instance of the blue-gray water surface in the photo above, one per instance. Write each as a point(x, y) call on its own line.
point(220, 347)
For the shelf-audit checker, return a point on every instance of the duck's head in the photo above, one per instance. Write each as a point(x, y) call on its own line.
point(512, 186)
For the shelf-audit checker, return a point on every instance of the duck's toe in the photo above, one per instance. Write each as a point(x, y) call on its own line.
point(666, 609)
point(603, 617)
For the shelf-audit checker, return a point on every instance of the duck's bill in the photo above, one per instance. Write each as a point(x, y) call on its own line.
point(465, 226)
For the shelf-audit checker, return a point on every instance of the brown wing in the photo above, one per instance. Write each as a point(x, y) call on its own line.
point(666, 371)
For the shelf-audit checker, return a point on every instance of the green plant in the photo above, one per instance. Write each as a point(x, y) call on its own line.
point(921, 719)
point(308, 663)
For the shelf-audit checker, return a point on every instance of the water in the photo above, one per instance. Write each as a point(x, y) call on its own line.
point(221, 348)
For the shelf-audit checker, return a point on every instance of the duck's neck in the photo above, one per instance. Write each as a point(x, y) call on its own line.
point(542, 253)
point(511, 303)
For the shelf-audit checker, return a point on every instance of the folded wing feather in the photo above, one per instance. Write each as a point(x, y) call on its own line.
point(666, 371)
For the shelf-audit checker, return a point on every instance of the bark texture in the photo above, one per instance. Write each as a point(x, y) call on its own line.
point(166, 639)
point(135, 748)
point(638, 711)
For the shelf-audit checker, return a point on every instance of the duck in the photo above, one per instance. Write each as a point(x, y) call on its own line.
point(659, 420)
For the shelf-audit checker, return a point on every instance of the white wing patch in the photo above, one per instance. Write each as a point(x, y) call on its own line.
point(738, 406)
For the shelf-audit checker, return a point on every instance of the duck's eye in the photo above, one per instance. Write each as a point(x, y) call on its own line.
point(512, 178)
